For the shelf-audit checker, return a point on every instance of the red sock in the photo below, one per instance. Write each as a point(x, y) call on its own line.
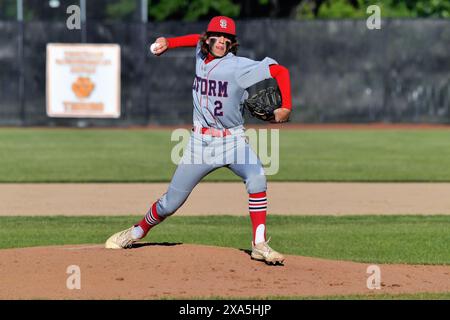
point(150, 219)
point(257, 204)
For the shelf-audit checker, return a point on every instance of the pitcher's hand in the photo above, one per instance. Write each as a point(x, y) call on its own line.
point(282, 114)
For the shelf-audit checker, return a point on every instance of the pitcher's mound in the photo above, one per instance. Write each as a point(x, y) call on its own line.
point(153, 271)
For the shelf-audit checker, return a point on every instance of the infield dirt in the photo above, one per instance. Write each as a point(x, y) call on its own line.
point(287, 198)
point(153, 271)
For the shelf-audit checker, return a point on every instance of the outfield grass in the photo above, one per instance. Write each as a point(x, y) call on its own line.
point(370, 239)
point(86, 155)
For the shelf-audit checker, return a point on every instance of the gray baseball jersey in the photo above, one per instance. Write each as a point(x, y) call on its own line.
point(219, 88)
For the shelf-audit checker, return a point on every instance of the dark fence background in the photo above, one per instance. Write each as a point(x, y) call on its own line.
point(340, 70)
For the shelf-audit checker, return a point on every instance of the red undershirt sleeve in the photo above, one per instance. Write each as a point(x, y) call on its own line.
point(189, 40)
point(281, 75)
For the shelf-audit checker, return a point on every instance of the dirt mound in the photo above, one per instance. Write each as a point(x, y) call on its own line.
point(165, 270)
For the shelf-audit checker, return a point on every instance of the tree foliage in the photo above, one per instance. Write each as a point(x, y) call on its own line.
point(301, 9)
point(389, 8)
point(121, 9)
point(191, 10)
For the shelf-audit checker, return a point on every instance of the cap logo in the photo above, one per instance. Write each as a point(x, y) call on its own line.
point(223, 23)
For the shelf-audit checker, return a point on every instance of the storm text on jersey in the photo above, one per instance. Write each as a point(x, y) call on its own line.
point(210, 87)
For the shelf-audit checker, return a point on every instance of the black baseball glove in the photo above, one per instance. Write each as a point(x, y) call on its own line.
point(262, 104)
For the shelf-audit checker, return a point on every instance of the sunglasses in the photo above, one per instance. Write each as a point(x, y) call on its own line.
point(228, 38)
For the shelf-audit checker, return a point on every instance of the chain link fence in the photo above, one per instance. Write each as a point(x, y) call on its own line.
point(340, 70)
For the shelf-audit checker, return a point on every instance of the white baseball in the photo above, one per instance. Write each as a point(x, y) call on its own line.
point(154, 47)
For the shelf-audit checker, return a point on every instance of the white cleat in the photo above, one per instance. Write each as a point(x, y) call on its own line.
point(263, 252)
point(121, 240)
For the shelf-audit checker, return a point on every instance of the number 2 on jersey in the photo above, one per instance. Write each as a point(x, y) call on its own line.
point(218, 109)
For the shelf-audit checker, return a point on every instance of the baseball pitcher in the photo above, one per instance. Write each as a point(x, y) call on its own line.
point(219, 95)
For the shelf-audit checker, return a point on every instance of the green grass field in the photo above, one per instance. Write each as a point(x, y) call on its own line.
point(86, 155)
point(370, 239)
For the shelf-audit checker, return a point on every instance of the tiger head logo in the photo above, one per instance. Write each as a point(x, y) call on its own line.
point(83, 87)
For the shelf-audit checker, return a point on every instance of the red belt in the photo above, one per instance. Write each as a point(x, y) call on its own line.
point(212, 131)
